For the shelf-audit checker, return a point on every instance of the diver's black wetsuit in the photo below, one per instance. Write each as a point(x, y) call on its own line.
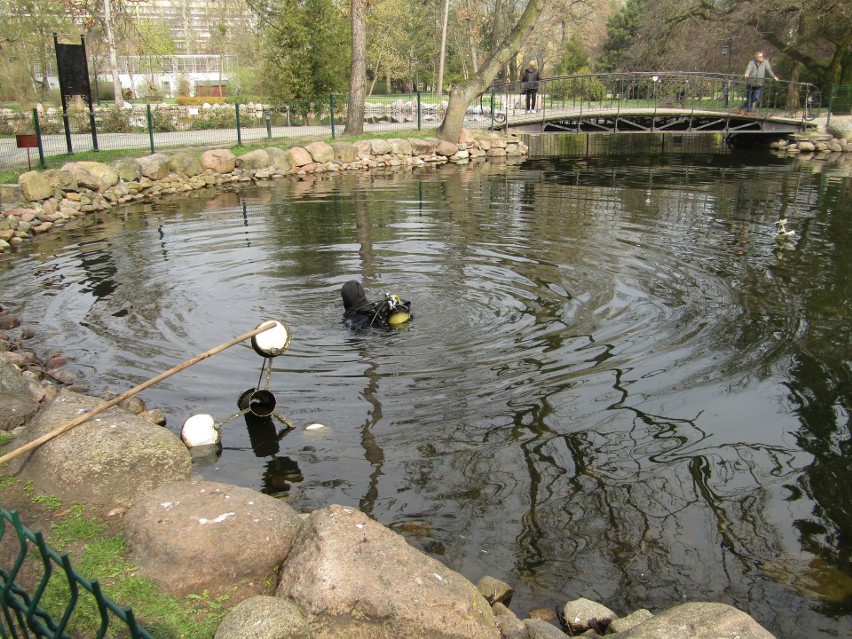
point(359, 313)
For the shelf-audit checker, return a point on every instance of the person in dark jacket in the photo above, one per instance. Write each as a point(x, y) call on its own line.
point(530, 79)
point(359, 313)
point(755, 76)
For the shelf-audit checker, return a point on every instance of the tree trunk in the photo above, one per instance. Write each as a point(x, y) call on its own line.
point(464, 93)
point(118, 98)
point(443, 53)
point(358, 70)
point(472, 41)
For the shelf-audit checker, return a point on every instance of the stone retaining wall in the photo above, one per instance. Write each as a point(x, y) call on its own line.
point(42, 201)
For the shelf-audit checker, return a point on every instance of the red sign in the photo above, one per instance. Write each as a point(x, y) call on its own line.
point(27, 141)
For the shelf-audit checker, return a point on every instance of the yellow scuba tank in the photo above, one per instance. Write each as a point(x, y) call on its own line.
point(398, 314)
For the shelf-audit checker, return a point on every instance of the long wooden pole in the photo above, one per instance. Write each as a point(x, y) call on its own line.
point(99, 409)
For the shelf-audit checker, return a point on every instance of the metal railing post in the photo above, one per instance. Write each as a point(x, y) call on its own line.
point(267, 117)
point(37, 128)
point(418, 110)
point(239, 131)
point(492, 107)
point(331, 106)
point(150, 126)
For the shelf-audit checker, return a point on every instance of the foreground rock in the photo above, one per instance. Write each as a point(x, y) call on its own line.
point(699, 621)
point(198, 535)
point(355, 579)
point(264, 618)
point(110, 460)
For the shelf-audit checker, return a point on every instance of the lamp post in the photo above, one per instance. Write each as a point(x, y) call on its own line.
point(727, 49)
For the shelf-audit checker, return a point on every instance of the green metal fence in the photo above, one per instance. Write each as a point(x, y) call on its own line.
point(23, 615)
point(152, 128)
point(840, 100)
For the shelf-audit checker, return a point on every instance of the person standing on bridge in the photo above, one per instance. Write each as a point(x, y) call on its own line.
point(530, 79)
point(755, 76)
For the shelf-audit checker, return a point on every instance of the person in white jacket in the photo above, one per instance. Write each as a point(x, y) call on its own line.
point(755, 76)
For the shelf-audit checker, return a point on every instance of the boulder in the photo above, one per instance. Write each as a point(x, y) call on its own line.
point(191, 536)
point(540, 629)
point(446, 149)
point(62, 179)
point(34, 186)
point(278, 159)
point(154, 166)
point(626, 623)
point(129, 169)
point(96, 175)
point(355, 579)
point(466, 137)
point(423, 146)
point(254, 160)
point(582, 614)
point(11, 193)
point(494, 590)
point(344, 151)
point(362, 148)
point(111, 459)
point(320, 152)
point(699, 620)
point(219, 160)
point(264, 617)
point(297, 156)
point(185, 163)
point(399, 146)
point(380, 147)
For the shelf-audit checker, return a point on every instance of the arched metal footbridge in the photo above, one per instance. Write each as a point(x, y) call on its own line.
point(661, 101)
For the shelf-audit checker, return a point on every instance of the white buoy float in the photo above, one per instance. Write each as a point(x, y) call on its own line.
point(200, 430)
point(273, 341)
point(783, 234)
point(315, 426)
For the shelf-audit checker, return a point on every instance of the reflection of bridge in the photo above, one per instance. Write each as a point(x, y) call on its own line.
point(676, 102)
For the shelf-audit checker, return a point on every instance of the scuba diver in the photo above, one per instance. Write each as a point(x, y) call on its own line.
point(359, 313)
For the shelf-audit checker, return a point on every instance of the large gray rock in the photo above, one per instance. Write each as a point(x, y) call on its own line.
point(399, 146)
point(154, 166)
point(344, 151)
point(11, 193)
point(540, 629)
point(699, 620)
point(96, 175)
point(320, 152)
point(263, 617)
point(253, 160)
point(355, 579)
point(582, 614)
point(34, 186)
point(423, 146)
point(219, 160)
point(297, 156)
point(129, 169)
point(185, 163)
point(278, 159)
point(111, 459)
point(192, 536)
point(11, 380)
point(380, 147)
point(446, 149)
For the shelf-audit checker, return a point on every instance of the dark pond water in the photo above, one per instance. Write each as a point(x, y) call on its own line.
point(615, 386)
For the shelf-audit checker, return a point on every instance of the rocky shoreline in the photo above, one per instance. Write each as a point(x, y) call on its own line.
point(326, 574)
point(43, 201)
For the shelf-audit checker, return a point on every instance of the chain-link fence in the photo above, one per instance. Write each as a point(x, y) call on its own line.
point(23, 613)
point(840, 100)
point(138, 129)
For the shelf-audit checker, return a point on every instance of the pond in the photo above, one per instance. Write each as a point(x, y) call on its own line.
point(616, 384)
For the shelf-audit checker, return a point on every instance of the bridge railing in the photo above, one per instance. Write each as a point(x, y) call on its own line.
point(658, 90)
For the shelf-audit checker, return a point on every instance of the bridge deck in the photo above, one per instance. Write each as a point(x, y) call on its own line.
point(686, 102)
point(639, 120)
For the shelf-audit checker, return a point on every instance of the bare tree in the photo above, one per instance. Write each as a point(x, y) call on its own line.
point(465, 92)
point(358, 69)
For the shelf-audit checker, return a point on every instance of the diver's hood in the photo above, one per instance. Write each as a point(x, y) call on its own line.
point(353, 295)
